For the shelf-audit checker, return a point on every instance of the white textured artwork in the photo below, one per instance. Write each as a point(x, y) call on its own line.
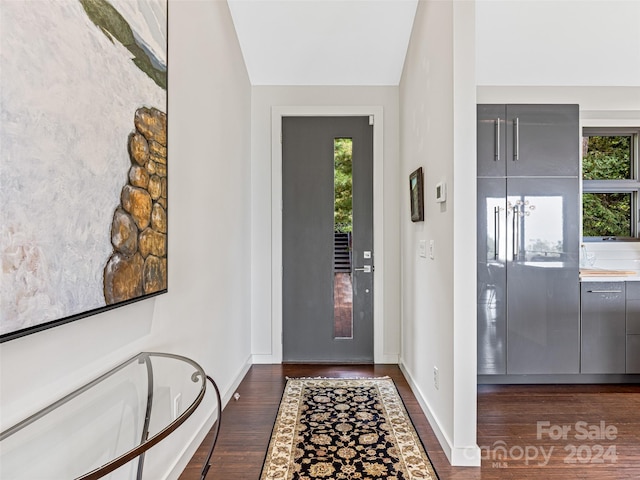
point(69, 90)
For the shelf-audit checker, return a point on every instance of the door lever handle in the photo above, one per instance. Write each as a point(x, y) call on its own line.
point(365, 269)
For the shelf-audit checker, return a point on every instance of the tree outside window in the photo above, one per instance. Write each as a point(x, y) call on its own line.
point(610, 183)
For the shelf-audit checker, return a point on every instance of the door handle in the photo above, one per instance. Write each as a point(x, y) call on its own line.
point(516, 232)
point(364, 269)
point(497, 139)
point(496, 233)
point(516, 139)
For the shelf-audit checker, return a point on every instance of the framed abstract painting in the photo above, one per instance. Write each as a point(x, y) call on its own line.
point(83, 159)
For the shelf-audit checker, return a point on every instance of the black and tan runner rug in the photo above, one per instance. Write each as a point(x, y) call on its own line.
point(351, 429)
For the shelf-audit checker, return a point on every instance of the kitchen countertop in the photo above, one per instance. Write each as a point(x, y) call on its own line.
point(610, 275)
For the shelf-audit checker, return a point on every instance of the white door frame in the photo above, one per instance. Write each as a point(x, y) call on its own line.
point(376, 112)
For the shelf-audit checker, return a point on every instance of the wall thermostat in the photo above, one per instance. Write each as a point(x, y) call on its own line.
point(441, 192)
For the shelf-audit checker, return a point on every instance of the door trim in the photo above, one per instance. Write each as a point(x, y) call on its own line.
point(378, 220)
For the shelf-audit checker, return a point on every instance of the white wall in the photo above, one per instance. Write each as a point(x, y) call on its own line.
point(562, 42)
point(568, 51)
point(266, 328)
point(437, 124)
point(599, 106)
point(206, 314)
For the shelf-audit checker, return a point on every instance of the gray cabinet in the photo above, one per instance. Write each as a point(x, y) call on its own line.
point(633, 327)
point(491, 140)
point(603, 331)
point(543, 298)
point(528, 140)
point(528, 298)
point(492, 277)
point(633, 354)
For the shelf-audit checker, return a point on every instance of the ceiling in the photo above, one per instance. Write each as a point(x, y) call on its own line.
point(323, 42)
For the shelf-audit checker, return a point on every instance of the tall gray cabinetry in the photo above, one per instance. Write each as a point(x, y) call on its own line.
point(528, 239)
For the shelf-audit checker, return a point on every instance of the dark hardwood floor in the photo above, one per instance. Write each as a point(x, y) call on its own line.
point(541, 428)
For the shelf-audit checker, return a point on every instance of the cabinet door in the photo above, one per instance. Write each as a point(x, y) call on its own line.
point(542, 140)
point(543, 292)
point(633, 308)
point(491, 140)
point(603, 327)
point(491, 295)
point(633, 326)
point(633, 354)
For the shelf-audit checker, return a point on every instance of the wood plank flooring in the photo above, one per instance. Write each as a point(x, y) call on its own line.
point(508, 417)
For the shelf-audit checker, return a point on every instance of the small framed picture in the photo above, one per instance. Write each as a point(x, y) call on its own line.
point(416, 190)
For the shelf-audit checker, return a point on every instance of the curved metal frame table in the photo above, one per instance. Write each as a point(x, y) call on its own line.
point(146, 441)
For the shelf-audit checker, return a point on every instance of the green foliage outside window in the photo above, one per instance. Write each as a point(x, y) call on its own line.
point(606, 158)
point(343, 184)
point(606, 214)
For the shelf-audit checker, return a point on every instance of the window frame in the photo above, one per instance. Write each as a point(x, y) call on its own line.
point(631, 186)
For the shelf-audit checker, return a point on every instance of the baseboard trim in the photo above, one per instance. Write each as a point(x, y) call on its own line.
point(388, 358)
point(458, 457)
point(571, 378)
point(265, 359)
point(198, 437)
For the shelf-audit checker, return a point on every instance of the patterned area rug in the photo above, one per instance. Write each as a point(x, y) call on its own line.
point(351, 429)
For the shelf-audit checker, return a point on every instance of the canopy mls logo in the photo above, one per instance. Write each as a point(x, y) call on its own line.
point(500, 454)
point(594, 449)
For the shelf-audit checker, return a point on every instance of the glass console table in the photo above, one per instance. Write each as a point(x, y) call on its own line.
point(104, 426)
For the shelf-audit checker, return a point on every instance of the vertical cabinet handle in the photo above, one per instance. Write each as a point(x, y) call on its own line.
point(516, 232)
point(497, 139)
point(496, 232)
point(516, 139)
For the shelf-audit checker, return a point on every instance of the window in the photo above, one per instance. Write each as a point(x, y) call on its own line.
point(610, 183)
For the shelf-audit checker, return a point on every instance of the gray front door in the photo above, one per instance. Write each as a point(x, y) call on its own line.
point(327, 254)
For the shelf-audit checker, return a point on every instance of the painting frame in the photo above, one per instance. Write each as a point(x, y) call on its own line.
point(416, 195)
point(130, 261)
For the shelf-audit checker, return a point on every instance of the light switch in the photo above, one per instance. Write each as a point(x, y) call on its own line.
point(431, 249)
point(422, 248)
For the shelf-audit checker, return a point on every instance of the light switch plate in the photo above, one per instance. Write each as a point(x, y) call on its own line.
point(441, 192)
point(422, 248)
